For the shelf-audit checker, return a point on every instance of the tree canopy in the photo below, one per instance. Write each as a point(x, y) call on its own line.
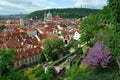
point(51, 48)
point(6, 60)
point(2, 27)
point(114, 6)
point(70, 13)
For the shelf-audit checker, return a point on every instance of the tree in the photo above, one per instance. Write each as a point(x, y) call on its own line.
point(42, 58)
point(51, 48)
point(114, 6)
point(2, 27)
point(30, 74)
point(97, 57)
point(113, 43)
point(106, 15)
point(50, 73)
point(71, 13)
point(114, 38)
point(89, 27)
point(39, 72)
point(14, 75)
point(6, 60)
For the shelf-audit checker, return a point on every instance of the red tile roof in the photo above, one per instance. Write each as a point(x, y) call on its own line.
point(28, 53)
point(52, 36)
point(12, 43)
point(42, 36)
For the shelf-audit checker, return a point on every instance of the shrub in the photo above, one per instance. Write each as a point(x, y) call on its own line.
point(39, 72)
point(85, 49)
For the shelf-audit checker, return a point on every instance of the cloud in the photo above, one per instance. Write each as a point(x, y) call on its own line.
point(27, 6)
point(97, 4)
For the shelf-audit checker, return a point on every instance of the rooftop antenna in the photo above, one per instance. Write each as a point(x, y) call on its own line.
point(81, 5)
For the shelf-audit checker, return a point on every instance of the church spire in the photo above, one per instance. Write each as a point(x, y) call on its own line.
point(81, 5)
point(45, 15)
point(21, 21)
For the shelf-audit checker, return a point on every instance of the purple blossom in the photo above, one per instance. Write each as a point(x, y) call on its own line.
point(97, 56)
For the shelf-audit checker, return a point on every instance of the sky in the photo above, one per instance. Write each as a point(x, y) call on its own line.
point(27, 6)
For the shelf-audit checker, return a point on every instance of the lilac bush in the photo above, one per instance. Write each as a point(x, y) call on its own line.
point(97, 57)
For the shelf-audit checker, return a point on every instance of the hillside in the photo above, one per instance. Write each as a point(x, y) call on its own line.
point(13, 16)
point(64, 13)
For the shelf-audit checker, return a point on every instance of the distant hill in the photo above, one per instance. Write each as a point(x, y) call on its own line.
point(64, 13)
point(13, 16)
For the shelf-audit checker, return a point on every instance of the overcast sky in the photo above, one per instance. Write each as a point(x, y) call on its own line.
point(27, 6)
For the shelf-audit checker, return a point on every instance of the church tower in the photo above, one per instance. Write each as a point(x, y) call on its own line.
point(49, 15)
point(21, 20)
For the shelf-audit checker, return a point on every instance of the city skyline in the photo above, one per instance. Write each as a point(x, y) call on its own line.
point(27, 6)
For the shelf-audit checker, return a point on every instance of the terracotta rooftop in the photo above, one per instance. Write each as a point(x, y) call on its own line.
point(12, 43)
point(28, 53)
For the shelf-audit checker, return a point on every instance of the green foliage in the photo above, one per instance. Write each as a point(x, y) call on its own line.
point(39, 72)
point(75, 44)
point(109, 73)
point(41, 58)
point(52, 47)
point(85, 49)
point(114, 42)
point(51, 70)
point(104, 27)
point(110, 35)
point(65, 13)
point(106, 15)
point(63, 33)
point(104, 34)
point(48, 75)
point(114, 6)
point(6, 66)
point(6, 60)
point(89, 27)
point(30, 74)
point(2, 27)
point(14, 75)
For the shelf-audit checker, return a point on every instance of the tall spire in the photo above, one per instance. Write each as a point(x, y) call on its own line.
point(21, 15)
point(81, 5)
point(21, 21)
point(45, 15)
